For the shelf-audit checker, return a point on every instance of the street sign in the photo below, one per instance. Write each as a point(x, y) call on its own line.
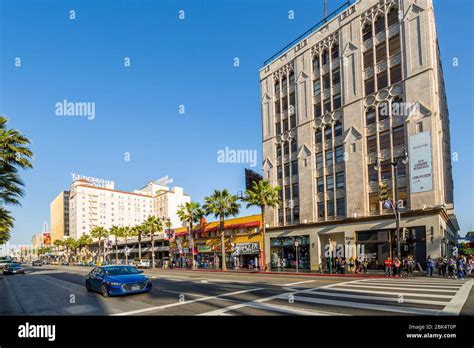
point(387, 204)
point(296, 244)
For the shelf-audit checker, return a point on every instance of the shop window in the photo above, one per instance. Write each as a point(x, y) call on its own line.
point(337, 129)
point(370, 116)
point(319, 136)
point(395, 74)
point(330, 205)
point(340, 180)
point(371, 144)
point(381, 52)
point(339, 154)
point(320, 184)
point(394, 45)
point(384, 140)
point(374, 205)
point(294, 167)
point(328, 132)
point(386, 170)
point(369, 86)
point(368, 59)
point(329, 183)
point(337, 101)
point(379, 24)
point(321, 209)
point(341, 207)
point(317, 110)
point(317, 87)
point(373, 174)
point(329, 158)
point(319, 160)
point(398, 136)
point(367, 31)
point(382, 80)
point(384, 111)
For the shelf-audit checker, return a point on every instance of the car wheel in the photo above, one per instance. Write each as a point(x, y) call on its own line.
point(88, 286)
point(104, 290)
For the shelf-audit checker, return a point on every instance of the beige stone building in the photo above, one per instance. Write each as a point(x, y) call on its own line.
point(340, 107)
point(59, 216)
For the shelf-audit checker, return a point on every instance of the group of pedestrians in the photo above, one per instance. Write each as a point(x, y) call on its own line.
point(453, 267)
point(396, 266)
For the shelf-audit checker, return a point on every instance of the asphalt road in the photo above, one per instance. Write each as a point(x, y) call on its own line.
point(59, 290)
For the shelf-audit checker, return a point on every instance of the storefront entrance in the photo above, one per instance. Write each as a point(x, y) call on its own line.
point(290, 253)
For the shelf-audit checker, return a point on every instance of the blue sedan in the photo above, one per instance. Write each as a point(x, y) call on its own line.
point(117, 280)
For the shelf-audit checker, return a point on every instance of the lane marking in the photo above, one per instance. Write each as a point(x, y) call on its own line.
point(291, 284)
point(183, 293)
point(413, 285)
point(396, 288)
point(390, 293)
point(288, 310)
point(380, 298)
point(456, 304)
point(154, 308)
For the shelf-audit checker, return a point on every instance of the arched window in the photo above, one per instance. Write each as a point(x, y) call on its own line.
point(367, 31)
point(379, 24)
point(325, 57)
point(392, 17)
point(316, 63)
point(334, 51)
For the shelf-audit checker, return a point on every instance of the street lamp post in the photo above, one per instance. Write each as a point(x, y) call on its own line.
point(404, 158)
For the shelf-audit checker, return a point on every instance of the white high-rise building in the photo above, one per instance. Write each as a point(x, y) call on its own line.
point(93, 203)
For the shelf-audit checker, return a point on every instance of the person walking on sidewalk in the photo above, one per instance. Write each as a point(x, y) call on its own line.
point(460, 267)
point(429, 266)
point(451, 268)
point(396, 265)
point(410, 265)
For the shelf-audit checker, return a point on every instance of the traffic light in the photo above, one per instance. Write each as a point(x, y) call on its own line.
point(383, 191)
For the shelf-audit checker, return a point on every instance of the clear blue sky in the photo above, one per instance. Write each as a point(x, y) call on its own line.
point(173, 62)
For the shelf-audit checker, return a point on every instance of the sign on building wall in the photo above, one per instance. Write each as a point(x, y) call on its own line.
point(94, 181)
point(46, 238)
point(421, 164)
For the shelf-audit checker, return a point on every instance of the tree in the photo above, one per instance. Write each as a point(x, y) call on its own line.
point(191, 212)
point(138, 231)
point(99, 232)
point(126, 231)
point(262, 195)
point(58, 243)
point(71, 244)
point(14, 154)
point(117, 232)
point(222, 205)
point(152, 225)
point(84, 241)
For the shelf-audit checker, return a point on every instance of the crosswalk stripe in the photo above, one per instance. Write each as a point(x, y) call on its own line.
point(289, 310)
point(403, 281)
point(397, 288)
point(369, 306)
point(380, 298)
point(454, 287)
point(388, 293)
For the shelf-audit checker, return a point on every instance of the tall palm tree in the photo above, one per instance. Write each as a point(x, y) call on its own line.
point(138, 231)
point(222, 205)
point(14, 154)
point(152, 225)
point(190, 212)
point(58, 243)
point(99, 232)
point(262, 194)
point(84, 241)
point(117, 232)
point(70, 245)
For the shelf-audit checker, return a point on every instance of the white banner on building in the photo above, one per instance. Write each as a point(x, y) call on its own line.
point(421, 164)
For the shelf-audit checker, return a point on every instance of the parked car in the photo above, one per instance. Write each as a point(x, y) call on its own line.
point(37, 263)
point(55, 263)
point(117, 280)
point(13, 268)
point(143, 264)
point(65, 263)
point(5, 261)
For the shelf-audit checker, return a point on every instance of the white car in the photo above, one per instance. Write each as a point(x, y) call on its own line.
point(143, 264)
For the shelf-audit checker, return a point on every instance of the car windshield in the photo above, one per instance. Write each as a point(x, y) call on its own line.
point(124, 270)
point(14, 265)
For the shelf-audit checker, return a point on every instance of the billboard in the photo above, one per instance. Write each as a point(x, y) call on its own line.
point(421, 163)
point(46, 238)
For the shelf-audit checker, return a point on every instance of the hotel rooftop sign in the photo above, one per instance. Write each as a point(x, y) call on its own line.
point(94, 181)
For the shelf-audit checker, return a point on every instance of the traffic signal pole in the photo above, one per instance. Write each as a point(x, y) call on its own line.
point(395, 207)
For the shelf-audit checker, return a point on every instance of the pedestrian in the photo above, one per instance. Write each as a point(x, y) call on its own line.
point(351, 263)
point(388, 265)
point(439, 265)
point(429, 266)
point(343, 265)
point(460, 267)
point(396, 267)
point(451, 268)
point(410, 265)
point(469, 265)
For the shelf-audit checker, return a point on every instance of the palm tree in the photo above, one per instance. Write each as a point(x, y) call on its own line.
point(99, 232)
point(262, 194)
point(138, 231)
point(14, 154)
point(222, 205)
point(117, 232)
point(152, 225)
point(70, 244)
point(58, 243)
point(84, 241)
point(191, 212)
